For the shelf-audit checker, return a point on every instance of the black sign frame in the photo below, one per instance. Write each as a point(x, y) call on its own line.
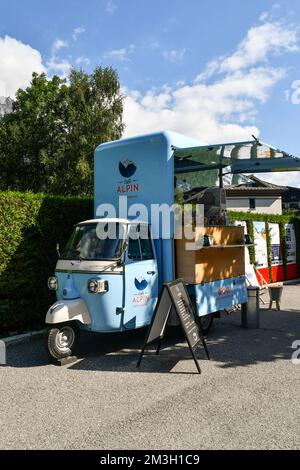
point(174, 296)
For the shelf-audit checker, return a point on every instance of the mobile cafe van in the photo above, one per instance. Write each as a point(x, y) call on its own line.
point(112, 285)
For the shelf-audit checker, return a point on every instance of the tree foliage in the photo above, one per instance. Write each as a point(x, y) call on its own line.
point(48, 140)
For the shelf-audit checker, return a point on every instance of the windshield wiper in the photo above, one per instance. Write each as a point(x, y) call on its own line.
point(113, 265)
point(79, 258)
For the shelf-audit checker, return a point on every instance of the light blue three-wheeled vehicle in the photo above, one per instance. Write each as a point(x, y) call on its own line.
point(112, 284)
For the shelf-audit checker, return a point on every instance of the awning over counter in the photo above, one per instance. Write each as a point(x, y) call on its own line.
point(234, 158)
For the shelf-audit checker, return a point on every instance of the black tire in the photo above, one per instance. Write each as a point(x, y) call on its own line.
point(206, 322)
point(62, 340)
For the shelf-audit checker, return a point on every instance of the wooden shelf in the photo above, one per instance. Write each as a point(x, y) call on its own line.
point(224, 246)
point(206, 263)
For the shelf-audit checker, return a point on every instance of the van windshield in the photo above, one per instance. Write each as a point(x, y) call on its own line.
point(87, 242)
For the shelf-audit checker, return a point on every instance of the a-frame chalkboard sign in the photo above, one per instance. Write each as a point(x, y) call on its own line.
point(175, 296)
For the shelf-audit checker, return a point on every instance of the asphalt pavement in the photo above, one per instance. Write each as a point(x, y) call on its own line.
point(247, 397)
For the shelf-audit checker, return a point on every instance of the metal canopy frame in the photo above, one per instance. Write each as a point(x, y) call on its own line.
point(250, 156)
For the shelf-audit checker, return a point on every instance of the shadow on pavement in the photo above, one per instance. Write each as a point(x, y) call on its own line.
point(229, 346)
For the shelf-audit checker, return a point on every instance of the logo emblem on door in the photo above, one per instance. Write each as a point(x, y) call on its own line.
point(127, 168)
point(140, 284)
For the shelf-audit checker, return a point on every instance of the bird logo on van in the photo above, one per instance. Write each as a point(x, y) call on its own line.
point(140, 284)
point(127, 168)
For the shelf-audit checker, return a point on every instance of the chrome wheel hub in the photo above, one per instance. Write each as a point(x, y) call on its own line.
point(65, 338)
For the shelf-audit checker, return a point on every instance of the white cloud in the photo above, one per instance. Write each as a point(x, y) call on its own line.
point(82, 61)
point(224, 109)
point(57, 45)
point(264, 16)
point(56, 64)
point(174, 55)
point(212, 67)
point(61, 67)
point(110, 6)
point(169, 24)
point(122, 54)
point(2, 88)
point(188, 110)
point(151, 43)
point(77, 31)
point(18, 61)
point(290, 178)
point(221, 111)
point(260, 44)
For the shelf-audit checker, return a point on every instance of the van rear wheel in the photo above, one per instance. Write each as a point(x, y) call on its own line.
point(61, 340)
point(205, 323)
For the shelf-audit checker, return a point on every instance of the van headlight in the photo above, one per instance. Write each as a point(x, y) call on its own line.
point(97, 286)
point(53, 283)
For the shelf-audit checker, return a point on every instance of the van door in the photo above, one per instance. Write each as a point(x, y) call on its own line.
point(141, 282)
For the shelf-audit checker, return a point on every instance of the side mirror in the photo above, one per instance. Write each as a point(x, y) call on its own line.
point(57, 249)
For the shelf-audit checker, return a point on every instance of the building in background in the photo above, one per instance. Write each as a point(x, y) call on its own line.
point(243, 193)
point(291, 200)
point(256, 196)
point(5, 105)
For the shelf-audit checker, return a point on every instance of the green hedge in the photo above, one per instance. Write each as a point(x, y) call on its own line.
point(30, 227)
point(281, 220)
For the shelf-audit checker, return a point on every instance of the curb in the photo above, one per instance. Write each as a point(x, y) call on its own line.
point(291, 282)
point(23, 338)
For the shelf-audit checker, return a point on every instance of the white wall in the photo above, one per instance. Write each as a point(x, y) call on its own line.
point(266, 205)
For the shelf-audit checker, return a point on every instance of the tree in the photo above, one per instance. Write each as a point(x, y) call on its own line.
point(48, 140)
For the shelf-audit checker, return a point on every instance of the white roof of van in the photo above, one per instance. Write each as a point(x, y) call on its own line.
point(112, 220)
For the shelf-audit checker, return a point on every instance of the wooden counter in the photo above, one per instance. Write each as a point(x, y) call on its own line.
point(226, 258)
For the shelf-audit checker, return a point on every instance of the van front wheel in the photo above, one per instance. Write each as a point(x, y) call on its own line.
point(62, 340)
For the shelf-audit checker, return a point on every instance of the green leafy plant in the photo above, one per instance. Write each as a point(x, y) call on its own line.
point(250, 230)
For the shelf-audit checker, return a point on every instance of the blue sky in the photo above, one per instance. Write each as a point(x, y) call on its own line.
point(213, 69)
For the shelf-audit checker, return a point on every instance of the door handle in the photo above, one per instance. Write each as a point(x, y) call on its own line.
point(151, 272)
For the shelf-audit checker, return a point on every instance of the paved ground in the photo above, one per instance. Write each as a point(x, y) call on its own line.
point(248, 395)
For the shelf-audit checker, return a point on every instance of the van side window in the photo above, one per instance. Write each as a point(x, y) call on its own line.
point(134, 250)
point(146, 248)
point(140, 249)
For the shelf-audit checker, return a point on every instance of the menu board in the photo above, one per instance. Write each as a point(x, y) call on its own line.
point(275, 244)
point(290, 240)
point(175, 296)
point(260, 242)
point(185, 313)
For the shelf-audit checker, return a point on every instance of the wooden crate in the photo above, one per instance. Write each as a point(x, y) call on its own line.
point(220, 261)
